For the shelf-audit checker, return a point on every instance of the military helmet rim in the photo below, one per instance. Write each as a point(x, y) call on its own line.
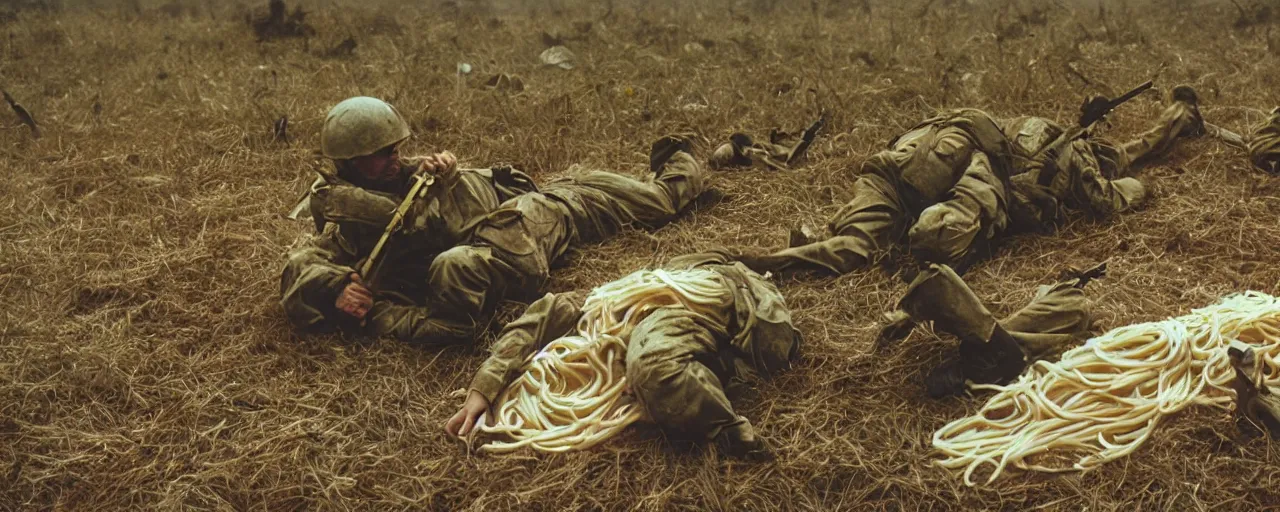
point(361, 126)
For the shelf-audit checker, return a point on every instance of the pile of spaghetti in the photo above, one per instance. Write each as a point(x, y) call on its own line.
point(1104, 399)
point(571, 395)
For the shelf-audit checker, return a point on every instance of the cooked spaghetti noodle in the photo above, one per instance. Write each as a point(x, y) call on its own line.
point(572, 394)
point(1102, 400)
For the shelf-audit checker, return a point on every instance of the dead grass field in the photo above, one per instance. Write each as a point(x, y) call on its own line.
point(144, 362)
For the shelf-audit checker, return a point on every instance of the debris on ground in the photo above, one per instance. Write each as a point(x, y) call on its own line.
point(346, 48)
point(280, 129)
point(23, 115)
point(558, 56)
point(504, 82)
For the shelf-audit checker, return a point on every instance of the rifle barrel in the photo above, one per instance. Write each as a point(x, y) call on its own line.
point(1133, 93)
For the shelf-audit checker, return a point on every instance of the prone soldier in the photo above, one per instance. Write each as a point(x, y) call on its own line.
point(463, 243)
point(956, 183)
point(678, 360)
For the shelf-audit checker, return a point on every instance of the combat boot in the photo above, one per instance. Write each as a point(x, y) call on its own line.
point(988, 353)
point(663, 149)
point(732, 153)
point(1256, 402)
point(742, 442)
point(801, 236)
point(940, 296)
point(998, 360)
point(1186, 108)
point(896, 325)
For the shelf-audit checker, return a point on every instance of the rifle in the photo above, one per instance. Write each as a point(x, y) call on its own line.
point(1093, 110)
point(807, 139)
point(797, 152)
point(421, 183)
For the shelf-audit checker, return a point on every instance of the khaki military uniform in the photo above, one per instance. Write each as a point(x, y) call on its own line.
point(1055, 317)
point(1264, 144)
point(995, 350)
point(954, 183)
point(475, 240)
point(677, 362)
point(943, 185)
point(351, 219)
point(1094, 175)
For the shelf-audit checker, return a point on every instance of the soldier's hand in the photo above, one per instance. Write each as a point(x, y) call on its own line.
point(355, 299)
point(468, 416)
point(440, 163)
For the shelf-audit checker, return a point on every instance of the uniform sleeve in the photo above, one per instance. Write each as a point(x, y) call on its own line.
point(982, 191)
point(313, 277)
point(547, 319)
point(509, 183)
point(1103, 197)
point(946, 232)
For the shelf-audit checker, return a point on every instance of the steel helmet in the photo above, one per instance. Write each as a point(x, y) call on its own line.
point(361, 126)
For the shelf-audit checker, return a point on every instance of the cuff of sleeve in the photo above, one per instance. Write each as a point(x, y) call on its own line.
point(333, 286)
point(488, 385)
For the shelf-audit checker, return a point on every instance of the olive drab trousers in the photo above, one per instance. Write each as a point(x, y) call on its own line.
point(1057, 315)
point(1095, 175)
point(939, 187)
point(950, 187)
point(512, 251)
point(992, 350)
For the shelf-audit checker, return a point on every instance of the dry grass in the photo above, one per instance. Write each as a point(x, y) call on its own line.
point(144, 362)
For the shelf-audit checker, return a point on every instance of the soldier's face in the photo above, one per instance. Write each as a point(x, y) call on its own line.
point(380, 167)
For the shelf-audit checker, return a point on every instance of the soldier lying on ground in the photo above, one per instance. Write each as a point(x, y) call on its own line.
point(953, 184)
point(991, 351)
point(781, 151)
point(1264, 144)
point(472, 239)
point(678, 361)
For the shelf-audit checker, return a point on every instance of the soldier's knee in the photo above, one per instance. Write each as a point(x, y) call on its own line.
point(684, 179)
point(460, 277)
point(942, 235)
point(1115, 196)
point(682, 161)
point(462, 262)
